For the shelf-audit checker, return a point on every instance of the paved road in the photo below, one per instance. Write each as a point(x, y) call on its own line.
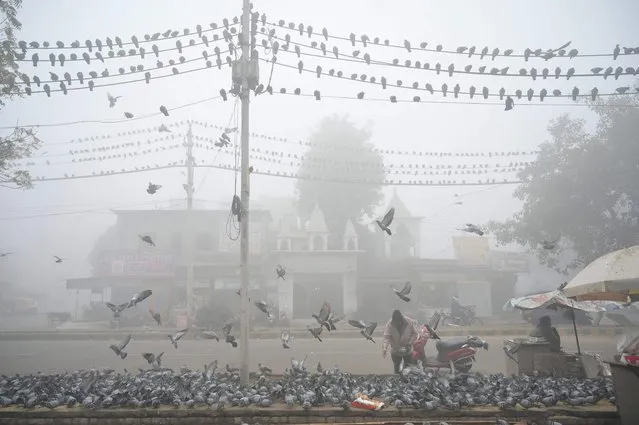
point(354, 355)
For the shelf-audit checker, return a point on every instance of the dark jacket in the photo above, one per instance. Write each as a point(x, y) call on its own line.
point(550, 334)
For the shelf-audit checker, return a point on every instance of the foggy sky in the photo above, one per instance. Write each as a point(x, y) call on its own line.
point(592, 26)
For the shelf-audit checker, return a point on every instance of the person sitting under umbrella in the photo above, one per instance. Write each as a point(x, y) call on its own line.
point(548, 332)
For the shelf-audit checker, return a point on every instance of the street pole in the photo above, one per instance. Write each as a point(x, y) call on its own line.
point(189, 226)
point(245, 64)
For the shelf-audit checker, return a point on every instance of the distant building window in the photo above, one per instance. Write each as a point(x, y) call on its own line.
point(204, 241)
point(318, 243)
point(351, 246)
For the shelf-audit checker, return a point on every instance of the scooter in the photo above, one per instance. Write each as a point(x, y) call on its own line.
point(457, 354)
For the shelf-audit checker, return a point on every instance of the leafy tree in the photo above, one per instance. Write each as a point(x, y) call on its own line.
point(582, 189)
point(20, 142)
point(340, 151)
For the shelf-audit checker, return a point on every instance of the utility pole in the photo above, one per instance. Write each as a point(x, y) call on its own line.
point(245, 73)
point(188, 226)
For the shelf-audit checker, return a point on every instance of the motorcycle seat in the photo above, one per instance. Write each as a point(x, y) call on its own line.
point(450, 344)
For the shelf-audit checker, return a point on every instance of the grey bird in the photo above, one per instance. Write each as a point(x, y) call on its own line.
point(264, 308)
point(316, 332)
point(177, 337)
point(286, 338)
point(147, 239)
point(549, 244)
point(265, 370)
point(226, 331)
point(386, 221)
point(5, 254)
point(471, 228)
point(323, 316)
point(366, 329)
point(112, 100)
point(332, 320)
point(117, 309)
point(58, 259)
point(153, 188)
point(153, 360)
point(156, 316)
point(119, 349)
point(404, 292)
point(210, 335)
point(139, 297)
point(281, 271)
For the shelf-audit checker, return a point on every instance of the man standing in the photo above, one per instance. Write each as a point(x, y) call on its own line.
point(400, 333)
point(548, 332)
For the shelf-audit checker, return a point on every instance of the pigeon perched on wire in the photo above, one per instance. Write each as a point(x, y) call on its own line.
point(286, 338)
point(119, 349)
point(366, 329)
point(164, 110)
point(153, 360)
point(147, 239)
point(265, 370)
point(139, 297)
point(177, 337)
point(153, 188)
point(386, 221)
point(156, 316)
point(226, 331)
point(323, 316)
point(117, 309)
point(549, 245)
point(112, 100)
point(404, 292)
point(58, 259)
point(264, 308)
point(210, 335)
point(223, 141)
point(316, 332)
point(164, 129)
point(471, 228)
point(281, 271)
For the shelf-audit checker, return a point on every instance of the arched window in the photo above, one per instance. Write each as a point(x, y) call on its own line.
point(318, 243)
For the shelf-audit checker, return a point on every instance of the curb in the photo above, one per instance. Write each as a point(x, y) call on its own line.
point(295, 333)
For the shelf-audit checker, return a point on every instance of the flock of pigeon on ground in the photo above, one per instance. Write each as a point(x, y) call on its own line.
point(414, 388)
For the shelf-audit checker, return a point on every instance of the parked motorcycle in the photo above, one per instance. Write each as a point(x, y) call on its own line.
point(456, 354)
point(469, 318)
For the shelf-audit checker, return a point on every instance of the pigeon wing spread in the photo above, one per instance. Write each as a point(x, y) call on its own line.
point(226, 330)
point(357, 323)
point(371, 328)
point(124, 343)
point(325, 311)
point(388, 218)
point(406, 289)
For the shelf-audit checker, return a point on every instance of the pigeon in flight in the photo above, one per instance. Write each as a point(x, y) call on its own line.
point(403, 293)
point(177, 337)
point(471, 228)
point(226, 331)
point(112, 100)
point(5, 254)
point(152, 359)
point(119, 349)
point(281, 271)
point(153, 188)
point(264, 308)
point(316, 332)
point(239, 294)
point(366, 329)
point(164, 110)
point(147, 239)
point(58, 259)
point(211, 335)
point(139, 297)
point(297, 365)
point(265, 370)
point(117, 309)
point(549, 245)
point(332, 320)
point(562, 286)
point(386, 221)
point(209, 369)
point(286, 338)
point(156, 316)
point(323, 316)
point(223, 141)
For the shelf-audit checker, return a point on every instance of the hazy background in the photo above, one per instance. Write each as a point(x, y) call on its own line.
point(66, 217)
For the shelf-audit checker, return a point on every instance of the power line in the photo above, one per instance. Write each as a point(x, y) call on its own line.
point(451, 69)
point(456, 90)
point(422, 46)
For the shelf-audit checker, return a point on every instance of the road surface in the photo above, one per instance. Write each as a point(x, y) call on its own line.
point(357, 356)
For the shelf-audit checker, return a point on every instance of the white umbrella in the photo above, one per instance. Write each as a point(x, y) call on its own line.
point(616, 271)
